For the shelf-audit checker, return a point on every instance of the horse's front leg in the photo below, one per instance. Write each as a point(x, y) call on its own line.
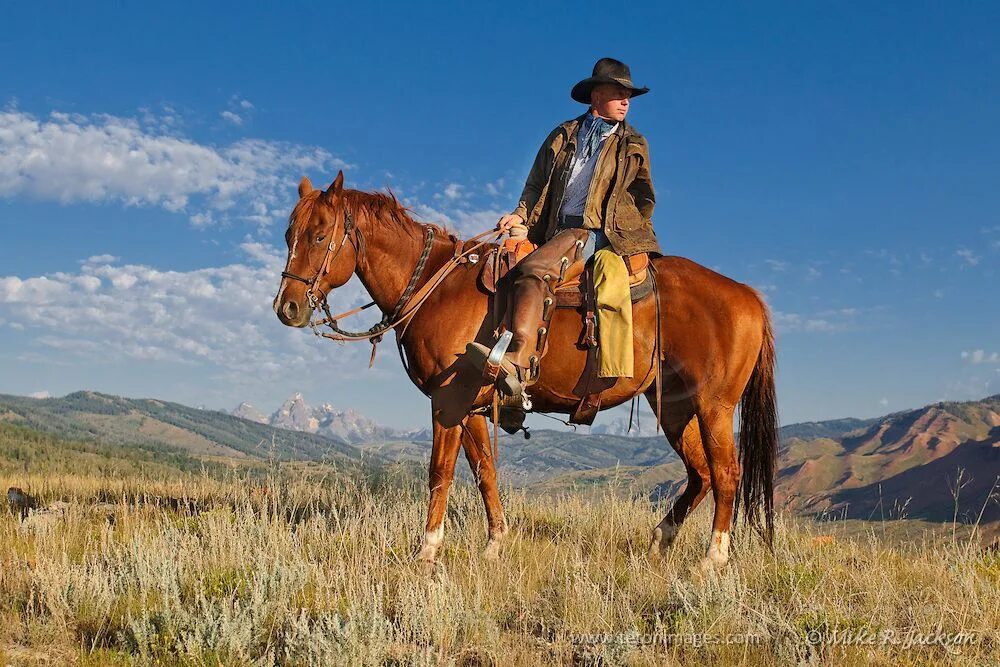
point(444, 453)
point(478, 451)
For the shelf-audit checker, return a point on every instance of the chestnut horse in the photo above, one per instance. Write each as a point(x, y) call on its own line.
point(716, 352)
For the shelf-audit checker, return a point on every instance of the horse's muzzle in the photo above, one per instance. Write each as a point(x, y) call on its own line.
point(292, 314)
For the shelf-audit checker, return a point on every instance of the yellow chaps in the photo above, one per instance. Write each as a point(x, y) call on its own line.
point(614, 314)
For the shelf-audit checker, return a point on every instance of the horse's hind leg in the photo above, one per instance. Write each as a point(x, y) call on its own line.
point(477, 451)
point(444, 454)
point(720, 448)
point(685, 437)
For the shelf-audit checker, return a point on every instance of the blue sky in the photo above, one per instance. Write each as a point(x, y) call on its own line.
point(842, 158)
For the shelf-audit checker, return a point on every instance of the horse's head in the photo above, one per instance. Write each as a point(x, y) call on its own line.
point(321, 252)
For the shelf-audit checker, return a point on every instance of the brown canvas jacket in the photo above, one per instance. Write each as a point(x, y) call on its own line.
point(621, 197)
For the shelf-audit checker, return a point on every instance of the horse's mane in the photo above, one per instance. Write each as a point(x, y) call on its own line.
point(384, 211)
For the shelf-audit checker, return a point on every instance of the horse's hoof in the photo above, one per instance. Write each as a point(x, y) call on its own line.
point(655, 552)
point(492, 550)
point(661, 543)
point(709, 565)
point(425, 567)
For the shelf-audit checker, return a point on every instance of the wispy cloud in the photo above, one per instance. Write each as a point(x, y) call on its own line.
point(220, 316)
point(981, 357)
point(826, 321)
point(968, 257)
point(464, 222)
point(451, 191)
point(495, 188)
point(239, 111)
point(97, 158)
point(232, 117)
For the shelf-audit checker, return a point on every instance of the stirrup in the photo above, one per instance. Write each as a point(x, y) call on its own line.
point(495, 367)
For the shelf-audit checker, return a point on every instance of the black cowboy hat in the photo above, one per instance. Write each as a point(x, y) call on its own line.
point(606, 70)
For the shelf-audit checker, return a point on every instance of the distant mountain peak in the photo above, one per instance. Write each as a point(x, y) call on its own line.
point(249, 412)
point(296, 414)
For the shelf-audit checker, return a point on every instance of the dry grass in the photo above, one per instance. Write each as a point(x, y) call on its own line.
point(319, 573)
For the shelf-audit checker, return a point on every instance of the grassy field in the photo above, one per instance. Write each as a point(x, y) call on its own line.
point(295, 565)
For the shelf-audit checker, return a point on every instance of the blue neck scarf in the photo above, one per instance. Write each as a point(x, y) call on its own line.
point(594, 129)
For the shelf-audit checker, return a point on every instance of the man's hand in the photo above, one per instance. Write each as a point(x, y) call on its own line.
point(514, 225)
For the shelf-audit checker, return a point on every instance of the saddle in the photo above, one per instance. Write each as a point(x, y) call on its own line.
point(575, 289)
point(572, 290)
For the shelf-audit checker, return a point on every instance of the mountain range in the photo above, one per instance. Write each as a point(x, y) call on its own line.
point(937, 462)
point(92, 416)
point(296, 415)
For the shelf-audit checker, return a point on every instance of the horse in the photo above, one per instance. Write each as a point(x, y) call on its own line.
point(703, 347)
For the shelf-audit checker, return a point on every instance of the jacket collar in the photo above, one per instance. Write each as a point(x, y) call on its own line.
point(569, 127)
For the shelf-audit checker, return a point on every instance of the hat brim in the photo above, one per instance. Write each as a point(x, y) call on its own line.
point(581, 91)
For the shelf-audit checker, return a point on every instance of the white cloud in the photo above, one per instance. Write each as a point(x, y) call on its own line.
point(451, 191)
point(100, 259)
point(967, 256)
point(220, 316)
point(495, 188)
point(40, 394)
point(463, 222)
point(233, 118)
point(981, 357)
point(883, 401)
point(826, 321)
point(97, 158)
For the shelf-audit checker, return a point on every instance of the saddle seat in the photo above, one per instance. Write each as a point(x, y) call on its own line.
point(570, 291)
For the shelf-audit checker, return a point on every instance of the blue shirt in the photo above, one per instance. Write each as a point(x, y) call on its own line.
point(590, 138)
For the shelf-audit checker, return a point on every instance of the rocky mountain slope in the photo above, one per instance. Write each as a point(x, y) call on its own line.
point(88, 415)
point(295, 414)
point(907, 464)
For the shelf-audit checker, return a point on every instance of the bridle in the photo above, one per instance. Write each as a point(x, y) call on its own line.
point(410, 300)
point(324, 267)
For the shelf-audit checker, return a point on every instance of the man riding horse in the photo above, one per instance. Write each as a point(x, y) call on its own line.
point(589, 189)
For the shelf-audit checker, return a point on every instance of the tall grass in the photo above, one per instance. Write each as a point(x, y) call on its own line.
point(294, 570)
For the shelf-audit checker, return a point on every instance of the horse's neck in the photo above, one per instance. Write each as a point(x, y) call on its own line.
point(389, 261)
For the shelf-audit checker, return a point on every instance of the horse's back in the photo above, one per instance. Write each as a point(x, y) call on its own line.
point(680, 272)
point(711, 324)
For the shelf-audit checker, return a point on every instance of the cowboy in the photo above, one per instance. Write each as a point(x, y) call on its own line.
point(589, 188)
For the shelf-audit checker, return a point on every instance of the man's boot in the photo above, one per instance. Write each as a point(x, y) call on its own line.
point(513, 363)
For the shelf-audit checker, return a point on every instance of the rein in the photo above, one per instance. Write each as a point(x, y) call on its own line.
point(411, 298)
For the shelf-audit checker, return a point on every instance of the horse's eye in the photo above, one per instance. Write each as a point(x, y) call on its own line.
point(319, 239)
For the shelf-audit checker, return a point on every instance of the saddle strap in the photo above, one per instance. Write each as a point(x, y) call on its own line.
point(590, 401)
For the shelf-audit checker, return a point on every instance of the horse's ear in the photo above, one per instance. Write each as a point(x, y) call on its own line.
point(337, 187)
point(305, 187)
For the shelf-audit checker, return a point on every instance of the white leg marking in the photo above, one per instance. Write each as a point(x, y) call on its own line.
point(492, 550)
point(431, 542)
point(718, 548)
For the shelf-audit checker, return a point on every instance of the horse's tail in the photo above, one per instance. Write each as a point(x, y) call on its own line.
point(759, 437)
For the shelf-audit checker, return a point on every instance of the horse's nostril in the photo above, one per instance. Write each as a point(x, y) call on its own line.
point(291, 310)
